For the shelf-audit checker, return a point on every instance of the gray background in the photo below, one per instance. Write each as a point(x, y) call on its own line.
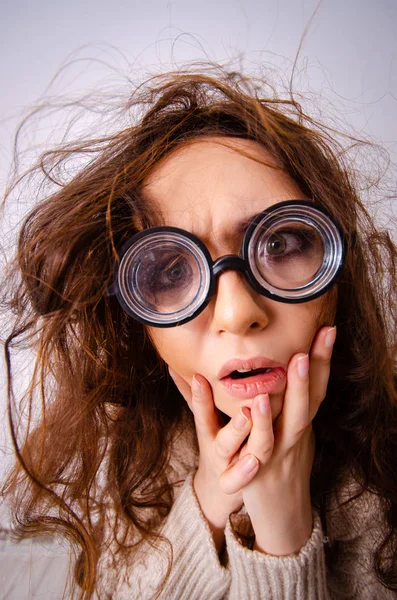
point(346, 72)
point(348, 57)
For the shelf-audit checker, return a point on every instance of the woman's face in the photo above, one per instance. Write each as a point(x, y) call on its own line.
point(210, 189)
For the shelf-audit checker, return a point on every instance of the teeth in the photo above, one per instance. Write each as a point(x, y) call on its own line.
point(245, 373)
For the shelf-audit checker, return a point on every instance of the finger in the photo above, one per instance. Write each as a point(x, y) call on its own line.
point(239, 474)
point(232, 435)
point(204, 411)
point(199, 399)
point(295, 416)
point(261, 440)
point(320, 364)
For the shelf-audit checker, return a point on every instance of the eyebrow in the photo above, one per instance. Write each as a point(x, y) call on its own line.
point(242, 226)
point(234, 231)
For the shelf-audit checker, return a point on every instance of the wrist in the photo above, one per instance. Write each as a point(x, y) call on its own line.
point(285, 536)
point(215, 506)
point(281, 517)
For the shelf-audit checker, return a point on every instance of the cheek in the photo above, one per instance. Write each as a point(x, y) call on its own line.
point(175, 346)
point(318, 313)
point(299, 324)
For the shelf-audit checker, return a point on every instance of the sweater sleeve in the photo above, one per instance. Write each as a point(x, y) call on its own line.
point(257, 576)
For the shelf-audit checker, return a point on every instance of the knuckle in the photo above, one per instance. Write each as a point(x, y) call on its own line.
point(266, 448)
point(200, 421)
point(323, 360)
point(239, 423)
point(236, 431)
point(222, 447)
point(263, 449)
point(237, 434)
point(266, 452)
point(226, 484)
point(300, 428)
point(228, 440)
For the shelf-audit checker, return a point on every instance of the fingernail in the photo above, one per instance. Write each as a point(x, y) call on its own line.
point(172, 373)
point(249, 463)
point(196, 386)
point(263, 402)
point(303, 366)
point(330, 337)
point(240, 420)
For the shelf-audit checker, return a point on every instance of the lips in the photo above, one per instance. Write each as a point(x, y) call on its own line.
point(267, 377)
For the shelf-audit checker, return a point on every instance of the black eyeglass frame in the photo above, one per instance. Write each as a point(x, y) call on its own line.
point(230, 262)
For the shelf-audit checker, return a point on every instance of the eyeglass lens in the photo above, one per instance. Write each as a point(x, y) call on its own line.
point(166, 276)
point(288, 255)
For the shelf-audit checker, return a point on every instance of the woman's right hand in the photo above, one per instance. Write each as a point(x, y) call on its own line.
point(221, 472)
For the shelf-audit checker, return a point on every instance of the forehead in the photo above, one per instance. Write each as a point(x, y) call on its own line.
point(211, 186)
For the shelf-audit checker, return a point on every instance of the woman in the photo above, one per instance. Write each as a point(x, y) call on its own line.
point(268, 470)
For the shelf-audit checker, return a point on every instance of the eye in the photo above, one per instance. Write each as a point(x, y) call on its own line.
point(173, 271)
point(288, 243)
point(165, 277)
point(276, 244)
point(289, 256)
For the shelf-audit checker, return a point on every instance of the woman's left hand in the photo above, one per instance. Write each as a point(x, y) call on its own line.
point(278, 498)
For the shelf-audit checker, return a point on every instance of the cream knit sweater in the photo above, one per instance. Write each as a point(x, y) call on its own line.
point(197, 573)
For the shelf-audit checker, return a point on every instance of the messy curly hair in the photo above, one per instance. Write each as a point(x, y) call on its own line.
point(98, 387)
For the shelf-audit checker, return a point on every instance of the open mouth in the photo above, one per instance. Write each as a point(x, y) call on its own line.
point(248, 383)
point(244, 373)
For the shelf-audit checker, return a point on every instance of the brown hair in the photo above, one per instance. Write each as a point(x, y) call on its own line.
point(98, 384)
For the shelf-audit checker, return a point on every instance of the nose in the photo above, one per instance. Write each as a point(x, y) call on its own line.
point(237, 308)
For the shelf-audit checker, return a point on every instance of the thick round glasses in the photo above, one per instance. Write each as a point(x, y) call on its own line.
point(291, 252)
